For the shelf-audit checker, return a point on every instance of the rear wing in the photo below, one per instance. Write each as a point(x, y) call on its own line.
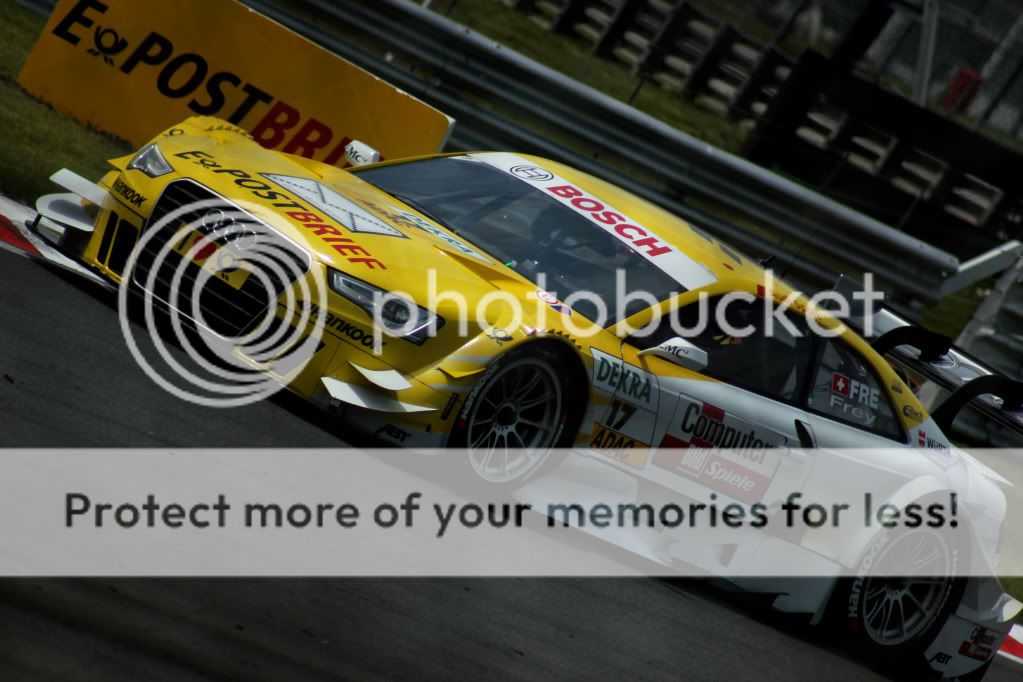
point(970, 382)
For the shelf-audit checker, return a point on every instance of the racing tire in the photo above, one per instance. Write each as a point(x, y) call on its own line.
point(898, 618)
point(523, 408)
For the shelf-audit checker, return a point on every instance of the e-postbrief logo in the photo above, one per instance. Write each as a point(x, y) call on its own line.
point(179, 75)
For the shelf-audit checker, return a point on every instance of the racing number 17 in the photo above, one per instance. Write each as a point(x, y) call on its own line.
point(620, 414)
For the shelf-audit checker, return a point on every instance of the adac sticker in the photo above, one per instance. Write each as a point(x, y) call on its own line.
point(624, 433)
point(618, 446)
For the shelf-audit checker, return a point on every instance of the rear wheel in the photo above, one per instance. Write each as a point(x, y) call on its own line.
point(895, 611)
point(898, 617)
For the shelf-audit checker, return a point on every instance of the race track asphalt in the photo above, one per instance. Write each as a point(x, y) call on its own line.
point(66, 379)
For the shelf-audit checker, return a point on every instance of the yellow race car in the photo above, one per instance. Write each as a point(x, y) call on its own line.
point(488, 301)
point(512, 306)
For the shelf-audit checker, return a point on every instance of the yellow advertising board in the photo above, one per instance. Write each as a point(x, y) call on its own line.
point(134, 68)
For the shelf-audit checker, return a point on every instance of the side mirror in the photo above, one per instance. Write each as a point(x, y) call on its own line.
point(680, 352)
point(360, 154)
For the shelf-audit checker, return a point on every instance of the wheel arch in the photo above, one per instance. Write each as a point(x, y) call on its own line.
point(918, 489)
point(576, 375)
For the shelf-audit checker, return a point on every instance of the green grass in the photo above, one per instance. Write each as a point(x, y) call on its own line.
point(574, 58)
point(36, 140)
point(951, 314)
point(1014, 585)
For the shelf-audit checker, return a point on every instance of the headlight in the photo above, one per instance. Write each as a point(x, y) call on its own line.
point(396, 315)
point(150, 161)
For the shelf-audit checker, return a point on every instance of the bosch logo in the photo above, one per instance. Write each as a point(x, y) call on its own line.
point(533, 173)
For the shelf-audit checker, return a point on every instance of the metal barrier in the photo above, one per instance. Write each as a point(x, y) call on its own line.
point(458, 69)
point(677, 167)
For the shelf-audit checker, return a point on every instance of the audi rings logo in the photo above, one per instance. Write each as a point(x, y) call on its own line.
point(233, 238)
point(231, 309)
point(214, 219)
point(532, 173)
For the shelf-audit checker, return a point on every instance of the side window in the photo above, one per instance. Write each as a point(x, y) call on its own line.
point(846, 388)
point(774, 365)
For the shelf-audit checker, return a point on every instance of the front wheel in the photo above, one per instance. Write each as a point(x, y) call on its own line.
point(514, 417)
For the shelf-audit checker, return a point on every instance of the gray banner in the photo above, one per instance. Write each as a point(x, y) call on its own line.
point(399, 513)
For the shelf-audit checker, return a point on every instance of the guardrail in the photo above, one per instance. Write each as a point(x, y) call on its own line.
point(677, 167)
point(546, 113)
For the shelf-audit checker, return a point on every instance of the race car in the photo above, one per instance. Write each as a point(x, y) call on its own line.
point(511, 306)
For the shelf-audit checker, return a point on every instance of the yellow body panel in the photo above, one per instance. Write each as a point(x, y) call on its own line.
point(443, 370)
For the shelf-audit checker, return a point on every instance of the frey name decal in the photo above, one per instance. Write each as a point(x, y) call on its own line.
point(854, 398)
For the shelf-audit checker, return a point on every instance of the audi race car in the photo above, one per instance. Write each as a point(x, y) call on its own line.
point(513, 307)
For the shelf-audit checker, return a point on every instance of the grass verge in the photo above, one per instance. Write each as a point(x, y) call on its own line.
point(574, 58)
point(36, 139)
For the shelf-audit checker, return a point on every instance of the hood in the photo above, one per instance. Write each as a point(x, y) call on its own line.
point(344, 222)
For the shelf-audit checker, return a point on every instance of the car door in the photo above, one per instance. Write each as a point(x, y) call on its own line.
point(729, 427)
point(849, 405)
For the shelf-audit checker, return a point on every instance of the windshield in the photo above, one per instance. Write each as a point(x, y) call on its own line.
point(543, 240)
